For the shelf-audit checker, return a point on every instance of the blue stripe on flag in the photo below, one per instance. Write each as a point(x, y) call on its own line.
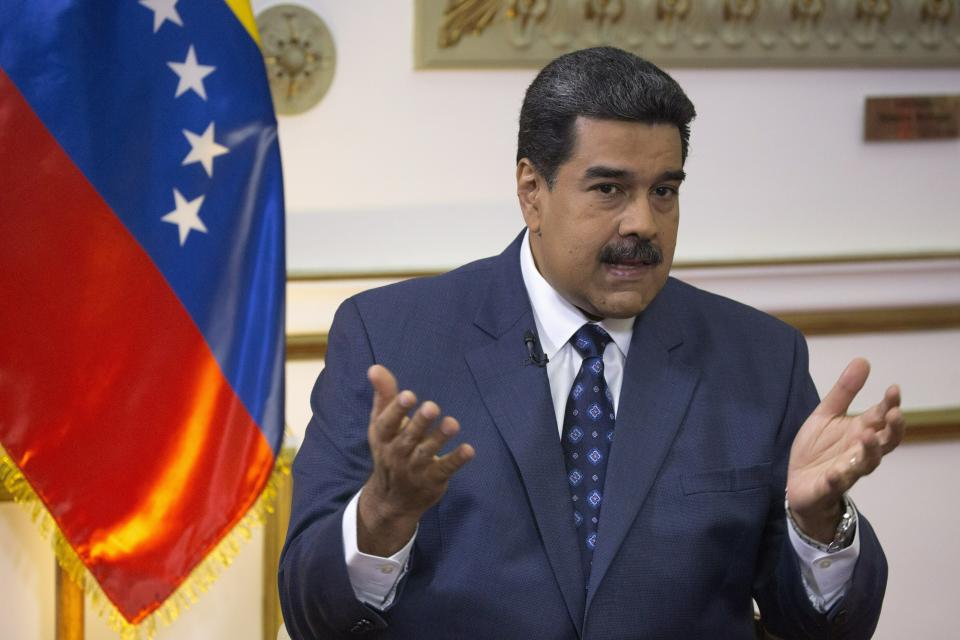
point(98, 76)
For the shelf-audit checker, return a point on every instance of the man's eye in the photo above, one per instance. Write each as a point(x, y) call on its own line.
point(607, 189)
point(666, 191)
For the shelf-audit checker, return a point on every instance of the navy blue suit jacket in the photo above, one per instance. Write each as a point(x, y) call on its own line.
point(693, 523)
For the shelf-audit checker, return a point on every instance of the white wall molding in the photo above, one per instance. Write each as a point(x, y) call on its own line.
point(834, 285)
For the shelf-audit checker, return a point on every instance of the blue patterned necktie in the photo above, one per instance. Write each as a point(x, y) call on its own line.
point(587, 435)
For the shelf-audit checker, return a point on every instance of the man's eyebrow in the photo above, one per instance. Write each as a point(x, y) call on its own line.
point(600, 171)
point(679, 175)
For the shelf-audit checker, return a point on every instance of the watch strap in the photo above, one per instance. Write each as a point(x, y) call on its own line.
point(843, 535)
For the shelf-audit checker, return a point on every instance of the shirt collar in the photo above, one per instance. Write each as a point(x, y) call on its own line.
point(557, 319)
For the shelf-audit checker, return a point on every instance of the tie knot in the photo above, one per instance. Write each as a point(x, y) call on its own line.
point(590, 340)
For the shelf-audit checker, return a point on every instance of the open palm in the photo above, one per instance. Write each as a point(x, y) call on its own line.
point(833, 450)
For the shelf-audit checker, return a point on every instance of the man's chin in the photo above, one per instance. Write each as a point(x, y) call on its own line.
point(627, 301)
point(620, 305)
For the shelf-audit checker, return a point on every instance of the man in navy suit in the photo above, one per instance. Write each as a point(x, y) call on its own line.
point(657, 508)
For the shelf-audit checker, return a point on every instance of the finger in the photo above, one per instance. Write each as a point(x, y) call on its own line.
point(384, 388)
point(892, 396)
point(838, 400)
point(435, 440)
point(892, 434)
point(412, 434)
point(876, 416)
point(387, 424)
point(449, 464)
point(871, 454)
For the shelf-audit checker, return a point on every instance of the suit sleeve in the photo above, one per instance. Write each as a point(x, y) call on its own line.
point(785, 609)
point(333, 463)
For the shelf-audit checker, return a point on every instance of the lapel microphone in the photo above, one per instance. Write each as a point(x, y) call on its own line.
point(534, 352)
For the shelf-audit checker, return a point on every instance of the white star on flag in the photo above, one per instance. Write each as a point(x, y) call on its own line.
point(203, 149)
point(186, 216)
point(163, 10)
point(191, 74)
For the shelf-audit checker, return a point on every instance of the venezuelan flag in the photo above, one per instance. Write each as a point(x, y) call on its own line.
point(141, 280)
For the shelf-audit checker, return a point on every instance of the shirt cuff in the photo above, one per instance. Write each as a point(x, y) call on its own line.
point(374, 579)
point(825, 575)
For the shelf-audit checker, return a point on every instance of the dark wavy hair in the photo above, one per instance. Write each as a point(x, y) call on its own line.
point(604, 83)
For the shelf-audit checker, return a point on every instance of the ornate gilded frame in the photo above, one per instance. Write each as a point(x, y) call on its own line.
point(691, 33)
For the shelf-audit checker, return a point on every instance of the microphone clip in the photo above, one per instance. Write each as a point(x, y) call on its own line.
point(535, 354)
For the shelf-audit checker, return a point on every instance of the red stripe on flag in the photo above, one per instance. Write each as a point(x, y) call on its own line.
point(111, 402)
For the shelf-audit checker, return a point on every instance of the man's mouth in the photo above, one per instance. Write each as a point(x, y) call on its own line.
point(632, 263)
point(629, 269)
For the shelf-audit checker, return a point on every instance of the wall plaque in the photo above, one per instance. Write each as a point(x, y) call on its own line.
point(691, 33)
point(299, 54)
point(912, 118)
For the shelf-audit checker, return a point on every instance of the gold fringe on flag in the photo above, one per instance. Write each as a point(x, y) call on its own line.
point(189, 591)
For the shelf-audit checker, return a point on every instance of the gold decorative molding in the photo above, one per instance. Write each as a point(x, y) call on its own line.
point(308, 276)
point(879, 320)
point(691, 33)
point(313, 346)
point(307, 346)
point(860, 258)
point(932, 424)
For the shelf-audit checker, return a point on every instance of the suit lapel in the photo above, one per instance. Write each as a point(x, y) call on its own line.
point(517, 395)
point(656, 391)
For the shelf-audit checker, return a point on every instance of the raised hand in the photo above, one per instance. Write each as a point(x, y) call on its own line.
point(408, 476)
point(833, 450)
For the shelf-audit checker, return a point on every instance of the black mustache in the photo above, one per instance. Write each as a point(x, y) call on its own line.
point(642, 251)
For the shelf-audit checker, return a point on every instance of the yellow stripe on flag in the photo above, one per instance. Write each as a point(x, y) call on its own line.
point(245, 15)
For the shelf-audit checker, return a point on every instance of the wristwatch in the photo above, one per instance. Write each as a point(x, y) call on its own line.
point(842, 537)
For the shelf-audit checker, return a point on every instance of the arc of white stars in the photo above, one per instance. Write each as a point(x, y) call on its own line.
point(186, 215)
point(163, 10)
point(191, 74)
point(203, 149)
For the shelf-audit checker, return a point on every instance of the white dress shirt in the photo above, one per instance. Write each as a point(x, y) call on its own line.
point(374, 579)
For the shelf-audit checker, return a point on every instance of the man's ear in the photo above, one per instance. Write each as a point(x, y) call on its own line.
point(530, 188)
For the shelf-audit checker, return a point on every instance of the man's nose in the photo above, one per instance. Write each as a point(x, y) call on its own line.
point(638, 219)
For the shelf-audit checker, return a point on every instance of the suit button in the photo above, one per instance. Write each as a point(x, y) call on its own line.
point(841, 617)
point(361, 626)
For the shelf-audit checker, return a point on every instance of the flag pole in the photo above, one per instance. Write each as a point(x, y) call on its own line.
point(69, 607)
